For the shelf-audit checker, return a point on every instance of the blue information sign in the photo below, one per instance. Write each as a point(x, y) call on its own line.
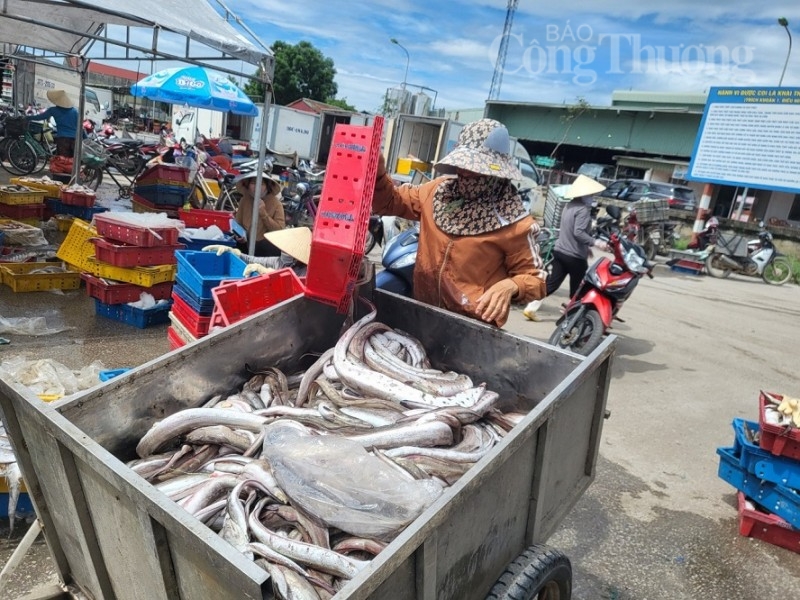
point(749, 137)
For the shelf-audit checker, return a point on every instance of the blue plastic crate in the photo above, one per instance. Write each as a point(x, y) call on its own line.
point(201, 272)
point(111, 373)
point(198, 244)
point(164, 195)
point(138, 317)
point(24, 505)
point(82, 212)
point(777, 499)
point(202, 306)
point(761, 463)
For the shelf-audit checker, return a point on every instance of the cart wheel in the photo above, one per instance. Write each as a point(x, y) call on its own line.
point(539, 573)
point(125, 191)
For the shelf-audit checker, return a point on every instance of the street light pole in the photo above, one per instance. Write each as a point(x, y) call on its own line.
point(408, 60)
point(783, 22)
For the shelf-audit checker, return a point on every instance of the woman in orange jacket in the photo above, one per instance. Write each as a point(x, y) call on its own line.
point(477, 250)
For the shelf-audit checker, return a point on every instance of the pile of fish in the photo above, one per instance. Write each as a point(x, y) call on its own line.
point(312, 475)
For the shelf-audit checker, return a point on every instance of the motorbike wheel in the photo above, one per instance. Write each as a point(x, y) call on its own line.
point(370, 243)
point(778, 271)
point(584, 336)
point(714, 267)
point(650, 248)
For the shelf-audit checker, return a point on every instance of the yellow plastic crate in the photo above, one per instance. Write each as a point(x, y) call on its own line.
point(29, 196)
point(20, 279)
point(77, 247)
point(143, 276)
point(64, 222)
point(51, 190)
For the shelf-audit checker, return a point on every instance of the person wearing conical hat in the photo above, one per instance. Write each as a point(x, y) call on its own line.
point(271, 216)
point(295, 250)
point(575, 242)
point(67, 119)
point(477, 251)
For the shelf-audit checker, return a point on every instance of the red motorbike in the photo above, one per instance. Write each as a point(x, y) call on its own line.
point(604, 289)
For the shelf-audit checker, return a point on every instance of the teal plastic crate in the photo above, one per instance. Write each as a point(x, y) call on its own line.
point(200, 272)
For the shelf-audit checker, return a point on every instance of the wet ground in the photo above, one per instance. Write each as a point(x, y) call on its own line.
point(657, 523)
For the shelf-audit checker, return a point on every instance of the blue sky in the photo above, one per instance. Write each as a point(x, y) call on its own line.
point(558, 51)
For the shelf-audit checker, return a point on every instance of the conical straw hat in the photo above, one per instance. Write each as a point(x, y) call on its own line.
point(294, 241)
point(583, 186)
point(59, 98)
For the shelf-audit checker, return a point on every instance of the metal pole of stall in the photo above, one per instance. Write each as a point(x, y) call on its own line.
point(262, 146)
point(78, 153)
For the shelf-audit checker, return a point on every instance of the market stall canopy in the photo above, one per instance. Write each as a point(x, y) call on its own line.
point(71, 24)
point(196, 87)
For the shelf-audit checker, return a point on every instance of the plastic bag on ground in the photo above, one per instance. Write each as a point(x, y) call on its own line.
point(337, 481)
point(46, 377)
point(29, 326)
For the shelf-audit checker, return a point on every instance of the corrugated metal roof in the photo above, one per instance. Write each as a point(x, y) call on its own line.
point(644, 131)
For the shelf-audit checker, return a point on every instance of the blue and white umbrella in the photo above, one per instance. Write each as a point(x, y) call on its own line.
point(196, 87)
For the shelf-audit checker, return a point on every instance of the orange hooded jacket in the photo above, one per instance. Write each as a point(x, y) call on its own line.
point(453, 271)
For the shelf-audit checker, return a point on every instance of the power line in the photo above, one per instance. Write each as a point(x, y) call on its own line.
point(499, 65)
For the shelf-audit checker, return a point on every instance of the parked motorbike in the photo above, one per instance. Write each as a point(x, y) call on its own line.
point(398, 259)
point(707, 237)
point(124, 155)
point(754, 258)
point(600, 296)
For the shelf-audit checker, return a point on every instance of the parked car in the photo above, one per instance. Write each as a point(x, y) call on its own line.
point(679, 197)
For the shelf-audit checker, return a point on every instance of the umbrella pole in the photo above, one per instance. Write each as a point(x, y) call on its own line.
point(262, 144)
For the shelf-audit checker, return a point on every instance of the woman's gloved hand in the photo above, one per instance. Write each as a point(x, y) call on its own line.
point(257, 269)
point(221, 249)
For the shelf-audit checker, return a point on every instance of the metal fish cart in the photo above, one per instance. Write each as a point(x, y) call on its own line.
point(115, 536)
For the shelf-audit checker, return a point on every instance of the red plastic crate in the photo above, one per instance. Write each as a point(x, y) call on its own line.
point(781, 441)
point(340, 228)
point(127, 255)
point(115, 292)
point(198, 217)
point(174, 339)
point(22, 211)
point(195, 324)
point(164, 174)
point(767, 527)
point(237, 300)
point(78, 199)
point(135, 234)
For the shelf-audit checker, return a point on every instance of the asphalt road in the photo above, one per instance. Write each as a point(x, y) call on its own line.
point(657, 523)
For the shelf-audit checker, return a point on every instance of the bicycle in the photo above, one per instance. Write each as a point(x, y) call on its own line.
point(202, 196)
point(547, 242)
point(16, 149)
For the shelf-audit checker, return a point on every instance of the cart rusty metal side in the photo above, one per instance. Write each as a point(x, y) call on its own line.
point(113, 535)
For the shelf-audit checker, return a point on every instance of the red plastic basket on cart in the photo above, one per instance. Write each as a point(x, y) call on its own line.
point(237, 300)
point(340, 228)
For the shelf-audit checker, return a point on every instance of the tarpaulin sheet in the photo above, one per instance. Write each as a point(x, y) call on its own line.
point(60, 25)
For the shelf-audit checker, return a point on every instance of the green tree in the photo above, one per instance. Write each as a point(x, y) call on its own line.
point(301, 71)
